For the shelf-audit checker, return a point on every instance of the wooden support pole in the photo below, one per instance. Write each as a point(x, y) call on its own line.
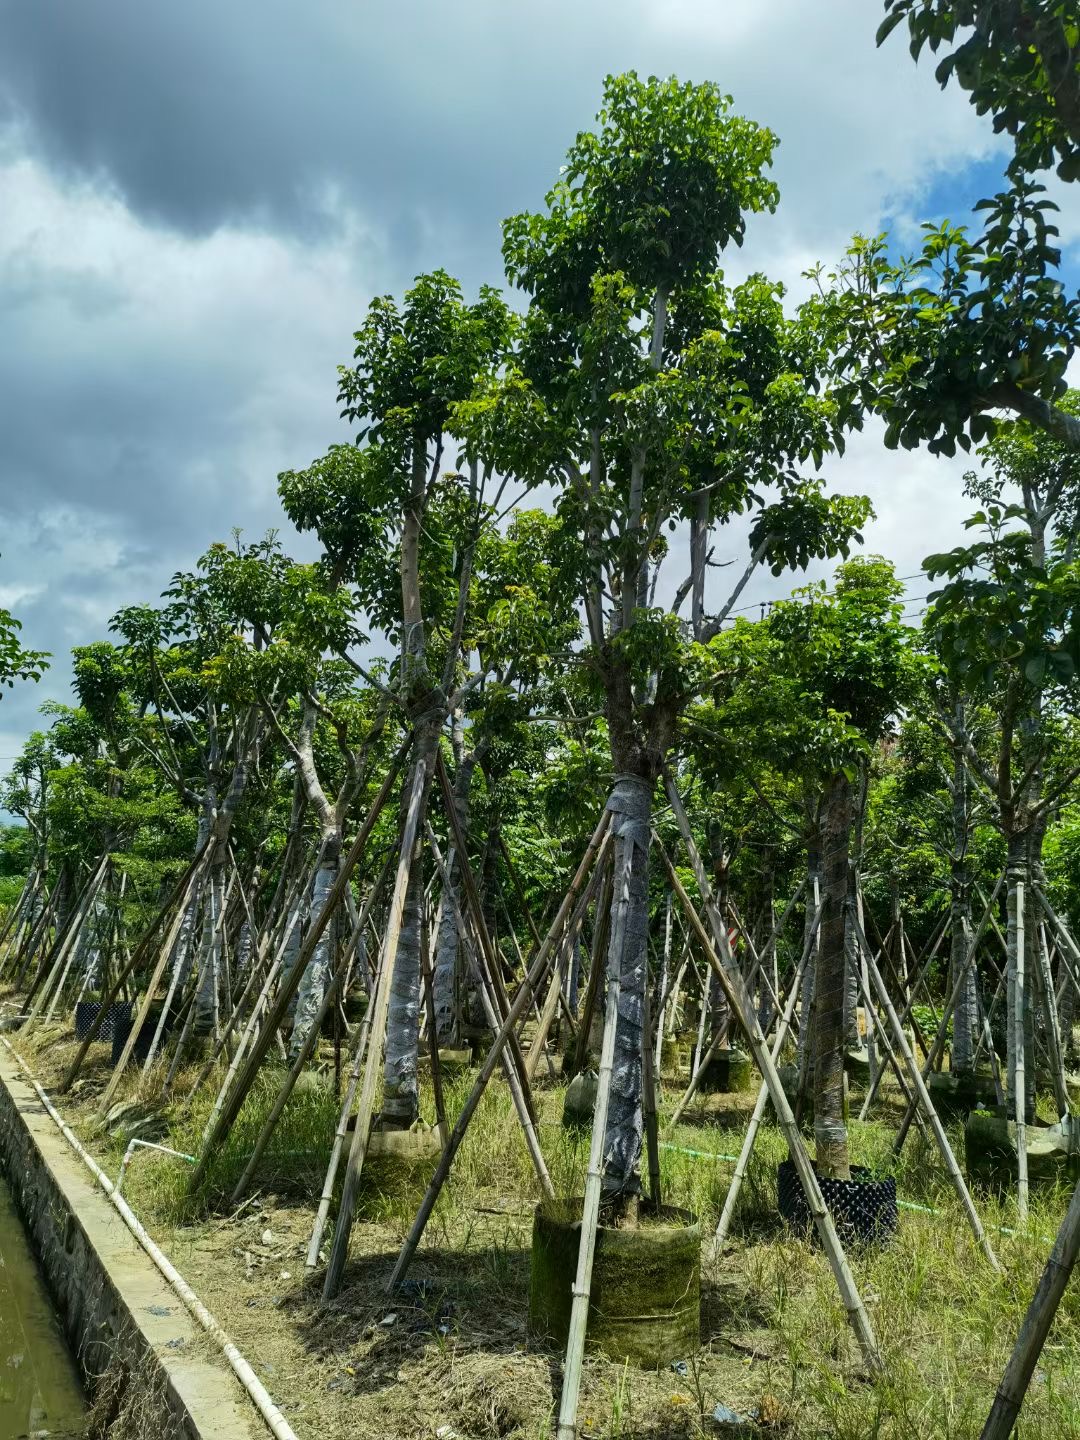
point(233, 1102)
point(594, 854)
point(1036, 1326)
point(325, 1199)
point(339, 1252)
point(728, 974)
point(487, 997)
point(489, 955)
point(303, 1055)
point(938, 1047)
point(590, 1217)
point(1019, 1061)
point(900, 1040)
point(741, 1165)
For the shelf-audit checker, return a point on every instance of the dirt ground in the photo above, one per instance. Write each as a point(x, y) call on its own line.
point(451, 1355)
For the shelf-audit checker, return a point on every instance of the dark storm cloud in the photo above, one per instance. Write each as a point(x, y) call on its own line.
point(198, 200)
point(433, 119)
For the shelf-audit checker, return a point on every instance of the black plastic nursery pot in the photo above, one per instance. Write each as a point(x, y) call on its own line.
point(863, 1208)
point(645, 1296)
point(727, 1072)
point(122, 1029)
point(87, 1011)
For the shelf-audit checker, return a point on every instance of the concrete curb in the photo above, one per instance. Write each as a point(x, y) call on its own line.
point(114, 1304)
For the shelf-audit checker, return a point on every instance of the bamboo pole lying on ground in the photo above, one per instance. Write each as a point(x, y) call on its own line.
point(728, 974)
point(1033, 1332)
point(590, 1216)
point(595, 852)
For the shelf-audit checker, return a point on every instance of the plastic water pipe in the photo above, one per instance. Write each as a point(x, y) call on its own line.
point(275, 1420)
point(129, 1155)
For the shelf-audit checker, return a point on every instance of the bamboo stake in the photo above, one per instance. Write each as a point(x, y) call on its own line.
point(494, 1019)
point(648, 1081)
point(696, 1078)
point(339, 1251)
point(938, 1047)
point(69, 941)
point(428, 981)
point(325, 1199)
point(590, 1217)
point(230, 1107)
point(743, 1162)
point(936, 1127)
point(729, 977)
point(473, 906)
point(303, 1055)
point(1033, 1332)
point(294, 903)
point(1057, 1059)
point(144, 1009)
point(178, 890)
point(594, 854)
point(1019, 1063)
point(174, 981)
point(597, 966)
point(74, 950)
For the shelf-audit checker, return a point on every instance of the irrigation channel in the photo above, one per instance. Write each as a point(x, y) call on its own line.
point(40, 1389)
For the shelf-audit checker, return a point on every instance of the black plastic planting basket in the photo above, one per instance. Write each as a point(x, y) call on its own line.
point(863, 1209)
point(145, 1037)
point(86, 1012)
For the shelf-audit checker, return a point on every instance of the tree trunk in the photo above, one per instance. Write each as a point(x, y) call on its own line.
point(320, 967)
point(401, 1093)
point(830, 1130)
point(631, 804)
point(447, 981)
point(1017, 875)
point(806, 999)
point(965, 1015)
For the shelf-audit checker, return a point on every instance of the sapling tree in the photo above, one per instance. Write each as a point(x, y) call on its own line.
point(657, 398)
point(824, 674)
point(411, 365)
point(1005, 621)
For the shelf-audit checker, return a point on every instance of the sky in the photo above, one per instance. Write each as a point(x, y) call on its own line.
point(198, 201)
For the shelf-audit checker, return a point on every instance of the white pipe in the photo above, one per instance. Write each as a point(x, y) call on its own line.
point(276, 1421)
point(137, 1144)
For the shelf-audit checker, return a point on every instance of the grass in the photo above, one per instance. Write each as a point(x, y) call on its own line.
point(457, 1351)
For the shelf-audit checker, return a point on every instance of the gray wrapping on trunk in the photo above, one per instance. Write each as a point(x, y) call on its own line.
point(445, 978)
point(631, 807)
point(316, 977)
point(206, 997)
point(244, 952)
point(401, 1096)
